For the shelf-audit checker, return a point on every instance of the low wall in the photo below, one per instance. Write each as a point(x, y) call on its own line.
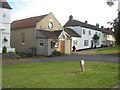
point(8, 56)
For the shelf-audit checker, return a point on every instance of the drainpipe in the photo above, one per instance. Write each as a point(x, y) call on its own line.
point(47, 47)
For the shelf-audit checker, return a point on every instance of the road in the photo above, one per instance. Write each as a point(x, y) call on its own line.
point(76, 57)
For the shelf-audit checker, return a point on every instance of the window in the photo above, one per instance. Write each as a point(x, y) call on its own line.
point(4, 15)
point(104, 35)
point(104, 43)
point(54, 44)
point(96, 33)
point(50, 25)
point(89, 32)
point(99, 34)
point(41, 43)
point(86, 42)
point(83, 31)
point(23, 38)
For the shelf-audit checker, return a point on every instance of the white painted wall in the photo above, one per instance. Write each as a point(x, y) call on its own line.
point(104, 39)
point(0, 41)
point(86, 36)
point(110, 40)
point(119, 6)
point(5, 15)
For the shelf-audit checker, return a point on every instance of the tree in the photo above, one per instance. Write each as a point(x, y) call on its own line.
point(116, 27)
point(116, 23)
point(110, 3)
point(95, 39)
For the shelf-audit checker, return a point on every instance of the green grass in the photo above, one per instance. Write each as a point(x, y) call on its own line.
point(60, 75)
point(108, 50)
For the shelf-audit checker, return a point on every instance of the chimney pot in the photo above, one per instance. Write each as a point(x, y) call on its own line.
point(97, 24)
point(86, 21)
point(102, 27)
point(70, 17)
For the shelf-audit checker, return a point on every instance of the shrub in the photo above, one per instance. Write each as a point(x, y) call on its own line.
point(56, 53)
point(4, 49)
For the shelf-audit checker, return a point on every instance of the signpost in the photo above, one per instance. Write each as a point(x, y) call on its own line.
point(82, 62)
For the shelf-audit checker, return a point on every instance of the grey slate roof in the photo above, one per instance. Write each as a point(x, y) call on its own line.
point(107, 31)
point(4, 4)
point(82, 24)
point(71, 32)
point(50, 34)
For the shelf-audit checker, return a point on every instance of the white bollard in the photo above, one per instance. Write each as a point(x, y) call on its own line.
point(82, 62)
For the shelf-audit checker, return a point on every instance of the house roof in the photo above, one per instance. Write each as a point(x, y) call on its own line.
point(71, 32)
point(28, 22)
point(50, 34)
point(4, 4)
point(82, 24)
point(107, 31)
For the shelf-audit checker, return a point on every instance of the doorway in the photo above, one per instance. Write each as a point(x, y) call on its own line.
point(62, 46)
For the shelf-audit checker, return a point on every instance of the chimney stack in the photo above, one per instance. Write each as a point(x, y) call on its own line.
point(102, 27)
point(70, 17)
point(86, 21)
point(108, 29)
point(97, 24)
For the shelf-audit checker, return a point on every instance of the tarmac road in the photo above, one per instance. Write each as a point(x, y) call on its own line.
point(113, 58)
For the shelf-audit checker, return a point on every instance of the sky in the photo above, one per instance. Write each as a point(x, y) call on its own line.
point(94, 11)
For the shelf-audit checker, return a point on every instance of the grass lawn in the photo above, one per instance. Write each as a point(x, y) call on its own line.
point(60, 75)
point(108, 50)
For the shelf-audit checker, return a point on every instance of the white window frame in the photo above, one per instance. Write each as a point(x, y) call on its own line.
point(86, 42)
point(23, 38)
point(41, 43)
point(84, 32)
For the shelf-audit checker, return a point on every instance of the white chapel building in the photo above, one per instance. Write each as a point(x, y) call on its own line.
point(5, 15)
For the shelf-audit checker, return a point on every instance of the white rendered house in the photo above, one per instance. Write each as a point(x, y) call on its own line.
point(5, 15)
point(86, 31)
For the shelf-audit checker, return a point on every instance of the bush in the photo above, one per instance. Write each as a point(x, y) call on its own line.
point(4, 49)
point(23, 54)
point(56, 53)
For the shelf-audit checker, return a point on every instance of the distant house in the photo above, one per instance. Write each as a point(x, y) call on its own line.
point(110, 36)
point(85, 33)
point(5, 14)
point(43, 33)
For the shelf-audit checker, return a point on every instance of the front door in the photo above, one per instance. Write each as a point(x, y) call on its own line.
point(62, 46)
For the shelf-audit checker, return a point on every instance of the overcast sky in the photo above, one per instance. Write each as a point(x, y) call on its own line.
point(94, 11)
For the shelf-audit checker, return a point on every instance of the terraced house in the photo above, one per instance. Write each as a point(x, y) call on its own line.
point(5, 15)
point(85, 33)
point(40, 35)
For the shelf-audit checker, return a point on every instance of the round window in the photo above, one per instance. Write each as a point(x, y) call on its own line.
point(50, 26)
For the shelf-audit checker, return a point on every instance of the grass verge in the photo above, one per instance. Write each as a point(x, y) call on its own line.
point(60, 75)
point(108, 50)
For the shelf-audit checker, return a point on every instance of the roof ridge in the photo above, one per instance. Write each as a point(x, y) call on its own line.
point(87, 23)
point(31, 17)
point(82, 24)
